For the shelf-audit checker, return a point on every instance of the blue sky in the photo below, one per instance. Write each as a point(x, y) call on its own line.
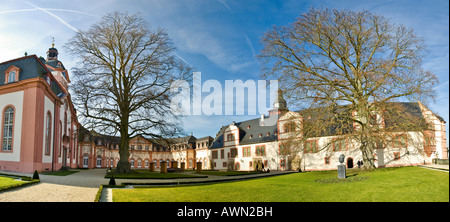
point(220, 38)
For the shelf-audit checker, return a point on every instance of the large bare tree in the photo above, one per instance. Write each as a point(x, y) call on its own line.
point(344, 66)
point(122, 82)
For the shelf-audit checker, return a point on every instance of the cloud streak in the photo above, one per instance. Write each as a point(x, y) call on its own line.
point(55, 16)
point(224, 3)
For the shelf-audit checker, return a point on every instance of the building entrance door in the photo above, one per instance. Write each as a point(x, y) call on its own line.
point(349, 162)
point(85, 161)
point(64, 156)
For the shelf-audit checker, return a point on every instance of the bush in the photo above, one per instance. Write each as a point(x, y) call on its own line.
point(112, 181)
point(35, 175)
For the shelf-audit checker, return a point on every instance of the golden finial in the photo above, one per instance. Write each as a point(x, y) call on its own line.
point(53, 42)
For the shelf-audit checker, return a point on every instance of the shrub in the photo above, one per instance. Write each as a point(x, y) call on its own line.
point(112, 181)
point(35, 175)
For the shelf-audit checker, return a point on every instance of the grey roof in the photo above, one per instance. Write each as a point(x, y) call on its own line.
point(177, 140)
point(31, 67)
point(249, 133)
point(407, 117)
point(398, 116)
point(54, 63)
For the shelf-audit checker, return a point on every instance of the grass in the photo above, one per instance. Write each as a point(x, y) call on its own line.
point(9, 181)
point(405, 184)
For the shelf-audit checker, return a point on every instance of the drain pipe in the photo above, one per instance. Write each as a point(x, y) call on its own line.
point(54, 133)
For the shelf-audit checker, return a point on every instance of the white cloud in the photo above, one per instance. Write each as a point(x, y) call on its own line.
point(224, 3)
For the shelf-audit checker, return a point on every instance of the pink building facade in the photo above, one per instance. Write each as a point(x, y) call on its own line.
point(38, 119)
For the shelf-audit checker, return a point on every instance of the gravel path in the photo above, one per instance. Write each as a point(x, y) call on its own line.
point(78, 187)
point(47, 192)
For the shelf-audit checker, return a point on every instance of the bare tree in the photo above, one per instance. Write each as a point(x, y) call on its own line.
point(349, 65)
point(123, 80)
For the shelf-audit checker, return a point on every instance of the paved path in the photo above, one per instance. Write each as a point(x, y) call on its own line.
point(78, 187)
point(437, 167)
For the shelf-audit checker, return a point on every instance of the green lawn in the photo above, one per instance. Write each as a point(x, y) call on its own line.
point(406, 184)
point(9, 182)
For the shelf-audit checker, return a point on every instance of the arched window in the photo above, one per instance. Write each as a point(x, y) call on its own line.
point(12, 77)
point(8, 123)
point(99, 161)
point(65, 123)
point(48, 133)
point(60, 139)
point(85, 161)
point(237, 166)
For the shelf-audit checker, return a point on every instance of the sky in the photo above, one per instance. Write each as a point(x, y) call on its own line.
point(219, 38)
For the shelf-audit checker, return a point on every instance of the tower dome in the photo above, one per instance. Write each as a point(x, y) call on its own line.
point(280, 105)
point(52, 53)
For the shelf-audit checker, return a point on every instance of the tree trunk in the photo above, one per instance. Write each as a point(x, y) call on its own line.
point(367, 155)
point(124, 166)
point(365, 132)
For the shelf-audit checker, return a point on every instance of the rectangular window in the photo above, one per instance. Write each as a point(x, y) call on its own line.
point(311, 146)
point(234, 152)
point(400, 141)
point(339, 145)
point(373, 119)
point(222, 154)
point(396, 156)
point(284, 149)
point(215, 154)
point(261, 150)
point(327, 160)
point(246, 152)
point(289, 127)
point(230, 137)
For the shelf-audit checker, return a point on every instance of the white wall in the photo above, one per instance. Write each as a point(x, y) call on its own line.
point(15, 99)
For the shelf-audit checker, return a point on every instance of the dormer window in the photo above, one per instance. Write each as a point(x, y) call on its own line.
point(12, 74)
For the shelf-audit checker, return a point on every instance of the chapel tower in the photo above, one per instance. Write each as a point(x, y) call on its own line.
point(57, 68)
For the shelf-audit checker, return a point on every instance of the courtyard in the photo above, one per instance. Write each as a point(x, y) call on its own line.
point(402, 184)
